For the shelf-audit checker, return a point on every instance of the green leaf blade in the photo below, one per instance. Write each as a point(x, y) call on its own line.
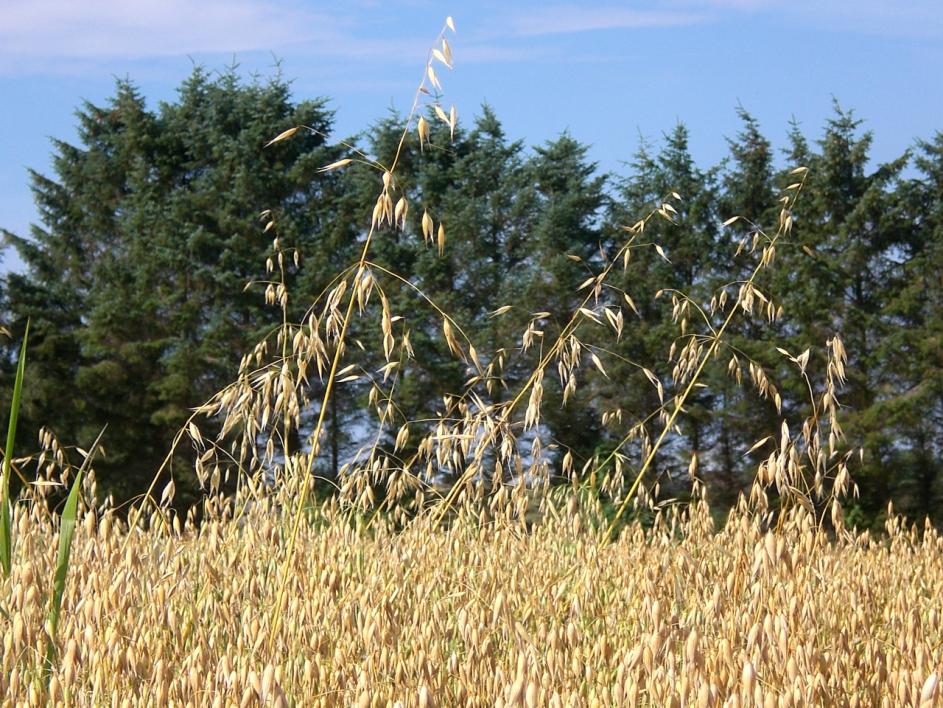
point(6, 524)
point(66, 532)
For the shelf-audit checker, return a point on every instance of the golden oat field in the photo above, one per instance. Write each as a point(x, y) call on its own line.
point(466, 559)
point(487, 612)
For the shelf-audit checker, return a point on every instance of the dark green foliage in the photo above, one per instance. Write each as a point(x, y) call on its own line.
point(149, 231)
point(135, 278)
point(569, 200)
point(6, 516)
point(67, 522)
point(837, 276)
point(902, 422)
point(691, 248)
point(748, 190)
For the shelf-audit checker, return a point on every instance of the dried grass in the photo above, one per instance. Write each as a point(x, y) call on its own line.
point(481, 614)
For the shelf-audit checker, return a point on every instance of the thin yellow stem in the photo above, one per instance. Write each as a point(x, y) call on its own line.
point(545, 360)
point(275, 622)
point(679, 402)
point(312, 454)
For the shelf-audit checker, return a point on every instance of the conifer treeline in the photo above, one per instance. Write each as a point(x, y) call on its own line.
point(149, 231)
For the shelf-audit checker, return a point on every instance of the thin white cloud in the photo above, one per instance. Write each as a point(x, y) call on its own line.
point(571, 19)
point(68, 36)
point(913, 18)
point(494, 53)
point(93, 29)
point(73, 36)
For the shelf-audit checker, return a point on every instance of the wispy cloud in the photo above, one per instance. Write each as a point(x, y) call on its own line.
point(487, 53)
point(570, 19)
point(65, 36)
point(69, 37)
point(913, 18)
point(141, 28)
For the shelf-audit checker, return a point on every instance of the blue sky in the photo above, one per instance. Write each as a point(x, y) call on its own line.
point(606, 72)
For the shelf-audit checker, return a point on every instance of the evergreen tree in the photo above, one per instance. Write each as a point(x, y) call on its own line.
point(905, 424)
point(833, 276)
point(570, 197)
point(742, 416)
point(686, 267)
point(135, 278)
point(149, 231)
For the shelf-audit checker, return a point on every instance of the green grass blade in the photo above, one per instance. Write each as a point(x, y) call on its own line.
point(6, 528)
point(66, 531)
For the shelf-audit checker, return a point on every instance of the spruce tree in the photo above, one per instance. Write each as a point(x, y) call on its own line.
point(685, 267)
point(905, 424)
point(834, 276)
point(742, 416)
point(135, 278)
point(563, 249)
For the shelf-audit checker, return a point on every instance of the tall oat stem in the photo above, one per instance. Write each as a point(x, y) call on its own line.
point(302, 497)
point(766, 258)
